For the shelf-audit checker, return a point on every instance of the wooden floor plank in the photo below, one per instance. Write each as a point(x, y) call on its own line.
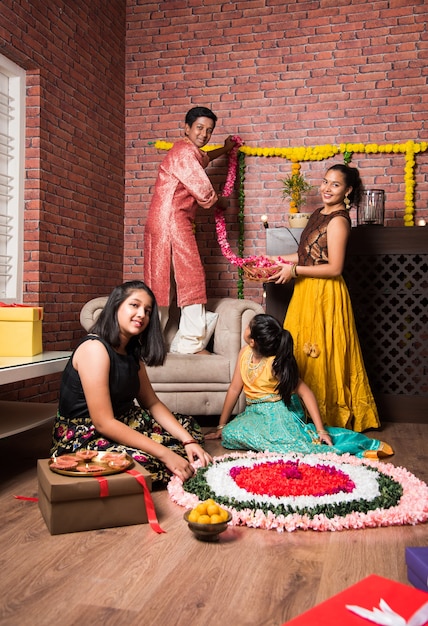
point(131, 575)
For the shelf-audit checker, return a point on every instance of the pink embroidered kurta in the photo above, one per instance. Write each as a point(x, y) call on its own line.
point(181, 186)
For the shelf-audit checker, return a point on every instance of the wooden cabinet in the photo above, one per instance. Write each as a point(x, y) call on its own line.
point(387, 275)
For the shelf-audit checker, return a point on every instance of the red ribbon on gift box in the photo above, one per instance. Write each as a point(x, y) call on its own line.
point(150, 507)
point(103, 483)
point(14, 304)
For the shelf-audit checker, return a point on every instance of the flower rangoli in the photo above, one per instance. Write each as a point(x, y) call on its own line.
point(318, 491)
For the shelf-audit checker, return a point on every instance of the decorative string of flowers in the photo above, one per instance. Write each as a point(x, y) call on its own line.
point(409, 149)
point(256, 262)
point(302, 153)
point(323, 492)
point(318, 153)
point(255, 267)
point(241, 220)
point(220, 222)
point(261, 268)
point(232, 167)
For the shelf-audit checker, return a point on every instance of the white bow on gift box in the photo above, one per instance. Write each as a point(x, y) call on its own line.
point(387, 617)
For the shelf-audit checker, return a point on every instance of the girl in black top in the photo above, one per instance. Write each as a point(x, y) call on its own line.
point(106, 378)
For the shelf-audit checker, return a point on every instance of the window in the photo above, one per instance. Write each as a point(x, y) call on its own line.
point(12, 138)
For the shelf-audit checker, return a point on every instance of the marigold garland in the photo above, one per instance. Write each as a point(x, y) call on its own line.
point(295, 155)
point(318, 153)
point(409, 149)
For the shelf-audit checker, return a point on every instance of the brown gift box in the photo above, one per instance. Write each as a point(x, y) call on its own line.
point(71, 503)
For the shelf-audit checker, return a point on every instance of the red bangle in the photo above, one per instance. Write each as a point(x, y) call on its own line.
point(186, 443)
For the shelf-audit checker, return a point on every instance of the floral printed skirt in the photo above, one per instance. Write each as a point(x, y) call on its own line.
point(72, 435)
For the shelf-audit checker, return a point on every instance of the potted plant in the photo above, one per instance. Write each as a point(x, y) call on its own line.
point(295, 187)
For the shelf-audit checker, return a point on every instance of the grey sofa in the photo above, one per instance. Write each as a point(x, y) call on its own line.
point(196, 384)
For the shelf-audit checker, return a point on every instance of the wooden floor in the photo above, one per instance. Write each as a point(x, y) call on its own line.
point(133, 576)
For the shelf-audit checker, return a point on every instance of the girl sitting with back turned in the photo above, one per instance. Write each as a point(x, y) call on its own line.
point(274, 419)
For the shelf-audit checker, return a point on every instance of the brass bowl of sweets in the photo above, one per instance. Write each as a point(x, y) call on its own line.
point(207, 520)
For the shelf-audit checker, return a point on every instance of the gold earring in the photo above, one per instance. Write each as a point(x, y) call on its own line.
point(347, 202)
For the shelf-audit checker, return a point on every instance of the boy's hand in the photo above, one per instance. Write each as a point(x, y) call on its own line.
point(229, 143)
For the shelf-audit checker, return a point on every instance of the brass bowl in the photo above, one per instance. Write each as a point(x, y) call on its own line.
point(207, 532)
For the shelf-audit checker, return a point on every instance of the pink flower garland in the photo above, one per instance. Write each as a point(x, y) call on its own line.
point(259, 262)
point(220, 226)
point(232, 167)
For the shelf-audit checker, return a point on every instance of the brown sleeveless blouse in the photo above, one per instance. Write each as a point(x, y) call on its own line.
point(312, 248)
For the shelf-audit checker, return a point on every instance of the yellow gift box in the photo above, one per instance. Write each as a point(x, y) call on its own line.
point(20, 330)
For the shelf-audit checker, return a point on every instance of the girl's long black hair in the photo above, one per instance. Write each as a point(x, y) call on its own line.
point(149, 345)
point(273, 340)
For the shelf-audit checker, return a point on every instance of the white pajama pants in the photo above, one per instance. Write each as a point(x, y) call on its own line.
point(192, 330)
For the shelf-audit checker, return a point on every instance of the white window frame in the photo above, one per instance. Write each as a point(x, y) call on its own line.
point(12, 173)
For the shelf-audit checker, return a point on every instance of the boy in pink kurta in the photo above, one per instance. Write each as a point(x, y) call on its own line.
point(169, 241)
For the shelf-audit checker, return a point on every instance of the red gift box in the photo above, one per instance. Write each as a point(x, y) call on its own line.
point(417, 567)
point(402, 599)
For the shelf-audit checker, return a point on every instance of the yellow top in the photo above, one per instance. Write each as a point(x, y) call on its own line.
point(258, 379)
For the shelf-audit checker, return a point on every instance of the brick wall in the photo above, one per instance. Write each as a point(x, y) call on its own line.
point(278, 73)
point(74, 54)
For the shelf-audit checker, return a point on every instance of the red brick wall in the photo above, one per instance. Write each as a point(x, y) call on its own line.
point(74, 53)
point(278, 73)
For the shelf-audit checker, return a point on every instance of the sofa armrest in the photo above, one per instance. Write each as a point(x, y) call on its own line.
point(234, 316)
point(90, 312)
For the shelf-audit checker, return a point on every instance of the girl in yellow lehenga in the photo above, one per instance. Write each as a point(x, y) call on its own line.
point(320, 316)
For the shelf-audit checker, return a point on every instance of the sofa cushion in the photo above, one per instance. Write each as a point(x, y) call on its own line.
point(197, 368)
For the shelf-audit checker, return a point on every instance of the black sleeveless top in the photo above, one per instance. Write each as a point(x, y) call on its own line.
point(312, 248)
point(123, 382)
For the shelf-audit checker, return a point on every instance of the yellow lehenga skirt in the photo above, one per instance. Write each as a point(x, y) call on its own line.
point(328, 353)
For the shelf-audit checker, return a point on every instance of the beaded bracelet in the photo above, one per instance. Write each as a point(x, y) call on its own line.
point(186, 443)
